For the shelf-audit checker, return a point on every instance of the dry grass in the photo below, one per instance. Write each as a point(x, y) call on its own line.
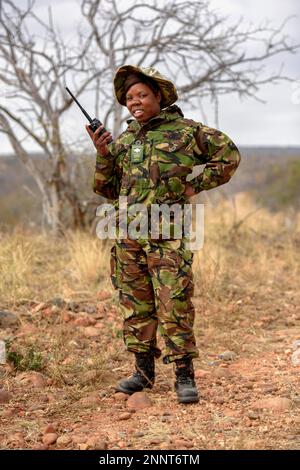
point(246, 250)
point(247, 300)
point(88, 259)
point(39, 267)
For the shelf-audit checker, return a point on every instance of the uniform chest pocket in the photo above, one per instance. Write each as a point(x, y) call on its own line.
point(174, 162)
point(173, 159)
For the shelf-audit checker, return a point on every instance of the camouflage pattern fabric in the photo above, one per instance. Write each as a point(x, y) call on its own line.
point(167, 88)
point(171, 147)
point(155, 283)
point(154, 276)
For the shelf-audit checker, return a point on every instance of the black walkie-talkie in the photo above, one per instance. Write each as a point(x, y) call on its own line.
point(94, 123)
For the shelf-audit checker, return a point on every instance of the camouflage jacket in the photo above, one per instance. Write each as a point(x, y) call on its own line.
point(149, 164)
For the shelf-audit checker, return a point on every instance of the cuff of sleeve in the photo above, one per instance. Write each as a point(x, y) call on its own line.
point(100, 158)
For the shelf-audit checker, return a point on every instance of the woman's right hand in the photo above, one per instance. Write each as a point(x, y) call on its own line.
point(100, 142)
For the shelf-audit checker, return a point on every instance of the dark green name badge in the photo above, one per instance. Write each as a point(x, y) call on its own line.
point(137, 153)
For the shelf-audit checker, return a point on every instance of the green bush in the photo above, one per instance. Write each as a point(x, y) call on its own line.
point(281, 188)
point(24, 360)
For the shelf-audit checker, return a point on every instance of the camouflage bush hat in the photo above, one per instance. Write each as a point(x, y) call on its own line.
point(167, 88)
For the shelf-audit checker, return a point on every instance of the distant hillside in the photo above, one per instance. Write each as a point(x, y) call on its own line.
point(255, 164)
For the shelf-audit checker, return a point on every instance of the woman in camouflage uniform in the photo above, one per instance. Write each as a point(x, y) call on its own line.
point(149, 163)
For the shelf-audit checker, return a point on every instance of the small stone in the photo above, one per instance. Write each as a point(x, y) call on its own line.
point(296, 344)
point(275, 404)
point(39, 406)
point(40, 446)
point(83, 446)
point(122, 444)
point(2, 356)
point(231, 413)
point(58, 302)
point(49, 438)
point(165, 419)
point(91, 331)
point(50, 312)
point(67, 317)
point(85, 321)
point(103, 295)
point(164, 446)
point(8, 319)
point(100, 445)
point(251, 444)
point(91, 309)
point(89, 376)
point(39, 307)
point(73, 344)
point(219, 400)
point(270, 389)
point(199, 373)
point(73, 306)
point(119, 396)
point(124, 416)
point(138, 401)
point(90, 400)
point(4, 396)
point(241, 396)
point(252, 415)
point(50, 429)
point(155, 441)
point(214, 363)
point(296, 401)
point(7, 413)
point(47, 312)
point(189, 445)
point(36, 379)
point(180, 444)
point(222, 372)
point(101, 310)
point(248, 385)
point(91, 442)
point(77, 439)
point(227, 356)
point(63, 440)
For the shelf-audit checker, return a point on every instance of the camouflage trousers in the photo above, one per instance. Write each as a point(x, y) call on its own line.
point(155, 283)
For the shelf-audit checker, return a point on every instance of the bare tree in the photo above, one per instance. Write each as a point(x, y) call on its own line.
point(198, 49)
point(33, 72)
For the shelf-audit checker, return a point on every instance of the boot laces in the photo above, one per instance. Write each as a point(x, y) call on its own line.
point(144, 367)
point(184, 378)
point(184, 373)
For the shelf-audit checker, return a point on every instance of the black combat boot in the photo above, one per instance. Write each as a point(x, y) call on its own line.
point(185, 384)
point(143, 377)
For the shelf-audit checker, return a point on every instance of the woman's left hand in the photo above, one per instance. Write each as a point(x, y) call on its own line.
point(189, 191)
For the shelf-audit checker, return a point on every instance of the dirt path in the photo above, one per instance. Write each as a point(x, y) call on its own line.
point(249, 401)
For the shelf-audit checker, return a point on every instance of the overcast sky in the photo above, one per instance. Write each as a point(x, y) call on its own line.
point(248, 122)
point(277, 121)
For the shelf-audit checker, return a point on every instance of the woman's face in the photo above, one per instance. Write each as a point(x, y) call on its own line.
point(142, 103)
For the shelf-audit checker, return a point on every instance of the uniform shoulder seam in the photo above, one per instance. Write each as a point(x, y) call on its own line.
point(191, 122)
